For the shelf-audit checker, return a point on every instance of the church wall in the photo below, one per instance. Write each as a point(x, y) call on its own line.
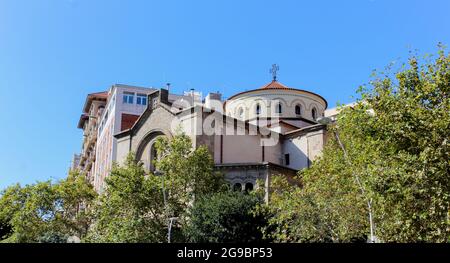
point(304, 149)
point(316, 142)
point(268, 99)
point(123, 148)
point(217, 146)
point(159, 120)
point(247, 148)
point(273, 154)
point(241, 149)
point(297, 148)
point(190, 124)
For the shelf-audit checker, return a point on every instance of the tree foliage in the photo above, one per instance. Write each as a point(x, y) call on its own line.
point(137, 204)
point(130, 209)
point(397, 143)
point(387, 156)
point(46, 212)
point(225, 217)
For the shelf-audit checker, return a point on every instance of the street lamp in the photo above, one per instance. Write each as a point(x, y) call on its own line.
point(327, 121)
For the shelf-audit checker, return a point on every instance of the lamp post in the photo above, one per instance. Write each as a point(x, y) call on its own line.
point(327, 121)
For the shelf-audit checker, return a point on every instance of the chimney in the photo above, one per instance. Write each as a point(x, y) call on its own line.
point(164, 96)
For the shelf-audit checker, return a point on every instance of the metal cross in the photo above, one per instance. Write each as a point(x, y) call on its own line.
point(274, 70)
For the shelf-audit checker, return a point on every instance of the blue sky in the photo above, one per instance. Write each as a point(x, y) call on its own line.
point(54, 52)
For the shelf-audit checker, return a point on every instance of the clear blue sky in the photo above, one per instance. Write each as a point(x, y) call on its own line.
point(54, 52)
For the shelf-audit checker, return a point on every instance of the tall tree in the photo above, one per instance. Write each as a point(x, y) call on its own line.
point(130, 209)
point(139, 206)
point(46, 212)
point(393, 144)
point(225, 217)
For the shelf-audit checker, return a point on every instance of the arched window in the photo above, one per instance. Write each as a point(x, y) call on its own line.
point(237, 187)
point(298, 109)
point(278, 108)
point(258, 109)
point(241, 112)
point(248, 187)
point(153, 157)
point(314, 113)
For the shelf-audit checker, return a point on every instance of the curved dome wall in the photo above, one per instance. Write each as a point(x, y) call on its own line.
point(275, 100)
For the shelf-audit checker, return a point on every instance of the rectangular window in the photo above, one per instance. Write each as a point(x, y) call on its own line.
point(141, 99)
point(128, 97)
point(287, 159)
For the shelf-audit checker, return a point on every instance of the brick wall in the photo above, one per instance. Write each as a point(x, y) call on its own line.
point(127, 121)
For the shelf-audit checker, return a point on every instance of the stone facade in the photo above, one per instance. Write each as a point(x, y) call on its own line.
point(252, 137)
point(237, 146)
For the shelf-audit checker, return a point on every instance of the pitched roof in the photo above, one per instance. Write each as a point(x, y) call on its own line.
point(274, 85)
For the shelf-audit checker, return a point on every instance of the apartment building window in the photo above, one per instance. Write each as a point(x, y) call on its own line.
point(128, 97)
point(141, 99)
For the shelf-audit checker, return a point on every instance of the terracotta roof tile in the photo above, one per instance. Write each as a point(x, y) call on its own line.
point(274, 85)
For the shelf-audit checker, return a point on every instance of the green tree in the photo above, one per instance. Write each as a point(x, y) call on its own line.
point(46, 212)
point(137, 205)
point(131, 208)
point(390, 150)
point(410, 131)
point(187, 175)
point(5, 230)
point(225, 217)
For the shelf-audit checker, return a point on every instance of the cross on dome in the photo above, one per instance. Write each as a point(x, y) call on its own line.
point(275, 68)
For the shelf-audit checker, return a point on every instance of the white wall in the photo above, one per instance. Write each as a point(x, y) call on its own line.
point(269, 98)
point(297, 148)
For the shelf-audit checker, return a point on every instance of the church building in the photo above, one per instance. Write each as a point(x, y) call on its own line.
point(252, 136)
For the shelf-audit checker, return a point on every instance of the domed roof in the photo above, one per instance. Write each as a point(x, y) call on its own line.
point(275, 85)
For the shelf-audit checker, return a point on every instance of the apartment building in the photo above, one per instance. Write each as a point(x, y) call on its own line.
point(88, 122)
point(124, 106)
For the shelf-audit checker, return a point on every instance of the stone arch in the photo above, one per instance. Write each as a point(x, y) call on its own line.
point(237, 186)
point(298, 102)
point(149, 137)
point(314, 105)
point(273, 106)
point(237, 106)
point(249, 186)
point(262, 103)
point(319, 109)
